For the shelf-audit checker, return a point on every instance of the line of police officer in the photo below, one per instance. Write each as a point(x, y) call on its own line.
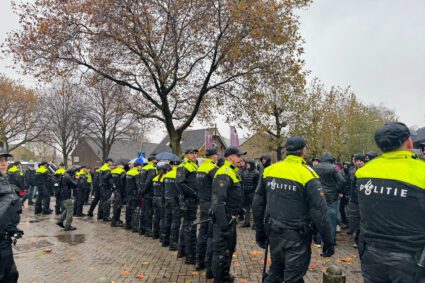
point(289, 205)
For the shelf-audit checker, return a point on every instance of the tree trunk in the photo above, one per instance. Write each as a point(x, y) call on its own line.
point(279, 152)
point(175, 138)
point(65, 159)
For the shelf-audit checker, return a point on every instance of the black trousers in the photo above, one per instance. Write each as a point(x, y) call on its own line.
point(58, 205)
point(290, 254)
point(189, 230)
point(94, 203)
point(204, 229)
point(381, 266)
point(158, 215)
point(42, 203)
point(172, 222)
point(8, 271)
point(247, 205)
point(224, 245)
point(342, 208)
point(147, 211)
point(106, 199)
point(129, 211)
point(79, 201)
point(116, 207)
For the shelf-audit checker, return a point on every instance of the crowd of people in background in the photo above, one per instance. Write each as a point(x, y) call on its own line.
point(192, 205)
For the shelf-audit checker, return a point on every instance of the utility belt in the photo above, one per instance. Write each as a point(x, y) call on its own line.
point(279, 227)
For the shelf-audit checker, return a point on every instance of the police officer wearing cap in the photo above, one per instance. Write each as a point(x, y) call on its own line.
point(105, 188)
point(79, 192)
point(67, 194)
point(9, 220)
point(56, 187)
point(391, 196)
point(44, 182)
point(97, 198)
point(147, 174)
point(118, 178)
point(204, 177)
point(172, 209)
point(290, 197)
point(187, 184)
point(132, 188)
point(226, 206)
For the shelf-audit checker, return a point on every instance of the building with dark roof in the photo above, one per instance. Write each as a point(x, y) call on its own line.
point(87, 152)
point(195, 139)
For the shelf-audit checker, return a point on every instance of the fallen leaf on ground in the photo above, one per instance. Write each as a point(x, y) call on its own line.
point(243, 280)
point(346, 260)
point(146, 262)
point(195, 273)
point(140, 276)
point(256, 253)
point(125, 273)
point(312, 266)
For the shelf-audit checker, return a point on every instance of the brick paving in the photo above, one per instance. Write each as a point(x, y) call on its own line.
point(96, 252)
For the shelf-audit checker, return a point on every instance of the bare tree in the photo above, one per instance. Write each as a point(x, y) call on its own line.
point(64, 117)
point(107, 117)
point(174, 54)
point(19, 115)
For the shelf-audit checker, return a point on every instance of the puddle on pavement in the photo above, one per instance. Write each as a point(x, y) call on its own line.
point(71, 239)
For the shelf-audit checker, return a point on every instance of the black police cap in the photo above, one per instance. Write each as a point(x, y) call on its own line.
point(137, 163)
point(391, 136)
point(152, 158)
point(234, 150)
point(43, 163)
point(109, 160)
point(295, 143)
point(359, 157)
point(5, 153)
point(190, 150)
point(210, 151)
point(175, 162)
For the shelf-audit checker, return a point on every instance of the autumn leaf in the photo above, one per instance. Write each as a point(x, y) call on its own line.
point(195, 273)
point(256, 253)
point(47, 250)
point(344, 260)
point(139, 276)
point(125, 273)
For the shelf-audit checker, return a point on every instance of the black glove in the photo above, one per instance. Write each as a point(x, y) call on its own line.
point(261, 239)
point(328, 250)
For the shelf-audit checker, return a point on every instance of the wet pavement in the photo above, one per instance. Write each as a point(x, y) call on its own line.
point(96, 252)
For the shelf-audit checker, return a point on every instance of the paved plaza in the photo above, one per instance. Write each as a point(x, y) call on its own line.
point(96, 252)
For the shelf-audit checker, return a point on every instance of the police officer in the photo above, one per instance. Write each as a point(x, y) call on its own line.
point(9, 219)
point(204, 178)
point(16, 177)
point(186, 183)
point(158, 202)
point(291, 194)
point(68, 189)
point(44, 183)
point(132, 188)
point(89, 186)
point(79, 191)
point(56, 187)
point(118, 178)
point(146, 176)
point(96, 199)
point(391, 196)
point(226, 206)
point(105, 188)
point(172, 208)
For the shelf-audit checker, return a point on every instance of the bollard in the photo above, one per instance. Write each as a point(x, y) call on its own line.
point(333, 274)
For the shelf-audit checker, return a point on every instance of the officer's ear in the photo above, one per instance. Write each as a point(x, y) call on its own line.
point(408, 144)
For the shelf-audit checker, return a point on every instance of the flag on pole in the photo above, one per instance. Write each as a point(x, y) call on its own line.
point(208, 139)
point(234, 139)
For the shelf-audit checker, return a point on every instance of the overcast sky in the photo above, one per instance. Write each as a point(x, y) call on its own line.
point(375, 46)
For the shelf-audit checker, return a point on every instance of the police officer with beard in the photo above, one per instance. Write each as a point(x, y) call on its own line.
point(205, 176)
point(391, 197)
point(226, 207)
point(186, 182)
point(290, 197)
point(9, 219)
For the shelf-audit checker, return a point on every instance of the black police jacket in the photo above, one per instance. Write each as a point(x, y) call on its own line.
point(43, 179)
point(250, 180)
point(146, 176)
point(67, 186)
point(291, 195)
point(170, 187)
point(104, 178)
point(118, 178)
point(158, 186)
point(391, 191)
point(204, 178)
point(132, 183)
point(186, 178)
point(9, 206)
point(226, 194)
point(330, 177)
